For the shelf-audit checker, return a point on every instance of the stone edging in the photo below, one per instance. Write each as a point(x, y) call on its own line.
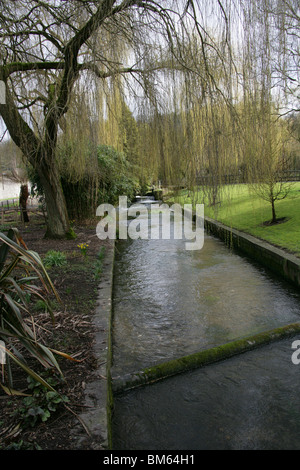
point(283, 264)
point(96, 418)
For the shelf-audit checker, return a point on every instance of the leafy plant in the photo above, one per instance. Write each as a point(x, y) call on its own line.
point(22, 445)
point(41, 404)
point(98, 266)
point(71, 235)
point(116, 176)
point(23, 279)
point(55, 258)
point(43, 305)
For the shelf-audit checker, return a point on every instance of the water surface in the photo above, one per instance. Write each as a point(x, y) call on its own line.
point(249, 402)
point(169, 302)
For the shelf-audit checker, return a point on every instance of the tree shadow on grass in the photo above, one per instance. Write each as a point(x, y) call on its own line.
point(270, 223)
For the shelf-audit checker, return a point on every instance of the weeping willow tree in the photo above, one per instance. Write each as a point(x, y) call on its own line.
point(232, 126)
point(47, 47)
point(269, 76)
point(160, 119)
point(96, 153)
point(192, 130)
point(179, 67)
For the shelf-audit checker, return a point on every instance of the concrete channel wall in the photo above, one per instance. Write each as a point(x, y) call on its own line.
point(93, 432)
point(281, 263)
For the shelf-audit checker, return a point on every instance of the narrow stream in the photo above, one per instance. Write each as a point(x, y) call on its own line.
point(169, 302)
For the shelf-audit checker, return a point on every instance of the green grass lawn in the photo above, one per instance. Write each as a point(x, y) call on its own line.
point(239, 208)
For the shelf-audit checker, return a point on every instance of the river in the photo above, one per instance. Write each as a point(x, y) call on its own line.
point(169, 302)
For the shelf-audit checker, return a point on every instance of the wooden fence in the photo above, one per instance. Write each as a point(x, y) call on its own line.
point(11, 211)
point(290, 175)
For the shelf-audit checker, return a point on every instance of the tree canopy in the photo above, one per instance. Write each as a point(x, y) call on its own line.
point(176, 56)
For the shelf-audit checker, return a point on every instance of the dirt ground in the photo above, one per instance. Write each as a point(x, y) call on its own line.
point(72, 333)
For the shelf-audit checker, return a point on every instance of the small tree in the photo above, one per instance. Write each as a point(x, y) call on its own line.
point(269, 172)
point(273, 187)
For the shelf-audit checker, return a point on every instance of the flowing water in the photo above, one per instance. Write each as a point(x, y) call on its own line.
point(169, 302)
point(247, 402)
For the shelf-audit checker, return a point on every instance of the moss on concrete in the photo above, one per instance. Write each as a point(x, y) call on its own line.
point(202, 358)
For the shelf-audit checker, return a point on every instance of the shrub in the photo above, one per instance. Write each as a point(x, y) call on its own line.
point(105, 175)
point(116, 176)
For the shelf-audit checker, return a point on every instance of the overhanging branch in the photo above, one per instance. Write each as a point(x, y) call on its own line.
point(31, 66)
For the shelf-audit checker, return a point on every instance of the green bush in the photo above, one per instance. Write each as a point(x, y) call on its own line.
point(116, 176)
point(106, 176)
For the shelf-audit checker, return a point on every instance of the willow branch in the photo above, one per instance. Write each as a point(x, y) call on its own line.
point(14, 67)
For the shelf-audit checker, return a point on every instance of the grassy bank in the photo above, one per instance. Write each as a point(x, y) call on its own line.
point(239, 208)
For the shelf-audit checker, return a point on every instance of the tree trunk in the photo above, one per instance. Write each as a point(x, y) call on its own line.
point(57, 218)
point(24, 193)
point(274, 220)
point(41, 155)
